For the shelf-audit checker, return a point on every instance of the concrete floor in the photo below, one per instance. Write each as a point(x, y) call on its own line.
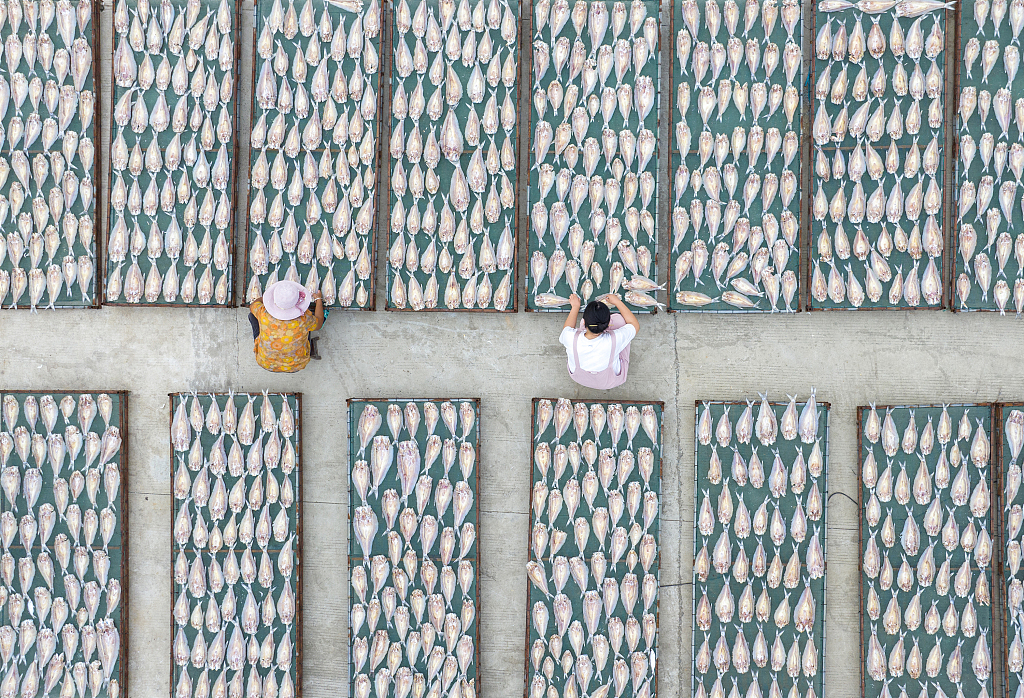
point(850, 358)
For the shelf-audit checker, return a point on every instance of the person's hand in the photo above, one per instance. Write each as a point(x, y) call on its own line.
point(611, 299)
point(574, 301)
point(317, 296)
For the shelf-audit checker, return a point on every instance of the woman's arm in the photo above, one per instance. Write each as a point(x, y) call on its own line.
point(627, 314)
point(318, 310)
point(574, 311)
point(254, 302)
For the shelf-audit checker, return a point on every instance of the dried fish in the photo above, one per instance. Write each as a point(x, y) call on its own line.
point(783, 581)
point(183, 204)
point(948, 512)
point(985, 91)
point(50, 203)
point(1011, 553)
point(890, 100)
point(413, 551)
point(592, 187)
point(83, 533)
point(754, 262)
point(312, 202)
point(611, 554)
point(473, 219)
point(235, 542)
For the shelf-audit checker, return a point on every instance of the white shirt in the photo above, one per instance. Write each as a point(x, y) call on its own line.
point(595, 353)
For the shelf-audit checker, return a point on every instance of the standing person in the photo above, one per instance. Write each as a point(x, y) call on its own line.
point(598, 350)
point(281, 322)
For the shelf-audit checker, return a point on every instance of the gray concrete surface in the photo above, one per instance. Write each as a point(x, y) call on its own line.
point(851, 358)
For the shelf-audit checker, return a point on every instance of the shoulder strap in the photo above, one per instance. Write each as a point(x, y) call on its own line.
point(575, 352)
point(611, 359)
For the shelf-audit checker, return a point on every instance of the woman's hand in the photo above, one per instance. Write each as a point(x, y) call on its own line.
point(574, 312)
point(627, 314)
point(318, 309)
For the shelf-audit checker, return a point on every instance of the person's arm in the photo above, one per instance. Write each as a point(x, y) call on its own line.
point(318, 310)
point(627, 314)
point(574, 311)
point(254, 302)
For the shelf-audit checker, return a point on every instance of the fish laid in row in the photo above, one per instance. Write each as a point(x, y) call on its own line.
point(453, 246)
point(413, 550)
point(593, 152)
point(928, 542)
point(62, 538)
point(1013, 519)
point(172, 153)
point(759, 548)
point(47, 166)
point(736, 127)
point(235, 545)
point(990, 210)
point(594, 550)
point(313, 193)
point(877, 128)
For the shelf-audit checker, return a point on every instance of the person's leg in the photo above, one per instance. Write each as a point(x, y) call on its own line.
point(255, 326)
point(314, 337)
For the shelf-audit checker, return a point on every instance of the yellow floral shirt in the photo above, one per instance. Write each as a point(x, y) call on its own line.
point(283, 345)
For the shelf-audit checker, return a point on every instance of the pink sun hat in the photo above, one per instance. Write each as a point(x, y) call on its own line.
point(286, 300)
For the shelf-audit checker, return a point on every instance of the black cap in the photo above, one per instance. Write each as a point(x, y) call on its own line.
point(596, 316)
